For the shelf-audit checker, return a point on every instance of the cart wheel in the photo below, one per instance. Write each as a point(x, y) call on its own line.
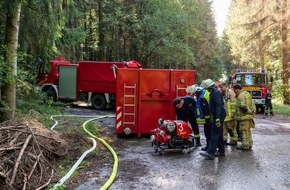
point(161, 152)
point(156, 147)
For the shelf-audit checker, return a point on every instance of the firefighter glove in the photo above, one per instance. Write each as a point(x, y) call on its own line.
point(244, 109)
point(233, 115)
point(217, 122)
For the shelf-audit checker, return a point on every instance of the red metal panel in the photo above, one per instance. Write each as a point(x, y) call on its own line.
point(129, 78)
point(154, 99)
point(180, 79)
point(97, 76)
point(155, 92)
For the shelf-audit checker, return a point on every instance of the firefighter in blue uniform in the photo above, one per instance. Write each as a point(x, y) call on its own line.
point(185, 109)
point(202, 109)
point(268, 103)
point(218, 114)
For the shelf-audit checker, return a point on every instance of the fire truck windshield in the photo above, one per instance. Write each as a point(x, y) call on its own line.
point(251, 79)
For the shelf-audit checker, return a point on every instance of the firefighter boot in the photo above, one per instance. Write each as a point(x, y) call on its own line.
point(271, 113)
point(197, 141)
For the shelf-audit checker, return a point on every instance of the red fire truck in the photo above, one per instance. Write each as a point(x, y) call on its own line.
point(256, 83)
point(89, 81)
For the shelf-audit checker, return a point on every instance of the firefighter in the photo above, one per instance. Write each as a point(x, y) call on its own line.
point(218, 114)
point(245, 112)
point(202, 109)
point(185, 109)
point(230, 123)
point(268, 103)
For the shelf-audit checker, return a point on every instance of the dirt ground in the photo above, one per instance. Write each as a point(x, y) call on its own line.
point(140, 168)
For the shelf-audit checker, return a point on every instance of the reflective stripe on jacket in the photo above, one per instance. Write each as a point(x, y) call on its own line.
point(231, 111)
point(201, 116)
point(230, 103)
point(245, 106)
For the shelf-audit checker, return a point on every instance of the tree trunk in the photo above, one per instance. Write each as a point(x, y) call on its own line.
point(101, 33)
point(285, 54)
point(11, 42)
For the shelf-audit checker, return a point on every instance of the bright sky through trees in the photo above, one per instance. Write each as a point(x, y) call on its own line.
point(220, 9)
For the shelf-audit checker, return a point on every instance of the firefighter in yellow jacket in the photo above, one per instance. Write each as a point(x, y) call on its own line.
point(245, 113)
point(230, 123)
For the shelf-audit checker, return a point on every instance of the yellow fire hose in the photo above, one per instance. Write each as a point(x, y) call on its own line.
point(115, 166)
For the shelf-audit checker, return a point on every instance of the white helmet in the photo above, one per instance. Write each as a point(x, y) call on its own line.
point(207, 83)
point(199, 89)
point(191, 89)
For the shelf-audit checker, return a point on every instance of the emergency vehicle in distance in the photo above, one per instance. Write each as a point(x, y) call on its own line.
point(256, 83)
point(90, 81)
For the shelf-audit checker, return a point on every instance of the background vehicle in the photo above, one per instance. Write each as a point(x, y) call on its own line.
point(256, 83)
point(89, 81)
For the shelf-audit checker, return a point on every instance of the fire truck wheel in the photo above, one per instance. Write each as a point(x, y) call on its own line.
point(99, 102)
point(50, 94)
point(263, 110)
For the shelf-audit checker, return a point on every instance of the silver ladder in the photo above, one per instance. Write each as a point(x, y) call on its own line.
point(129, 101)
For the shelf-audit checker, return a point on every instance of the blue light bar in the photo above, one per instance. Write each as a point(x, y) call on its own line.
point(238, 70)
point(262, 70)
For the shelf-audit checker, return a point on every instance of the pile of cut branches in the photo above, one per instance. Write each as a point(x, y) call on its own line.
point(28, 151)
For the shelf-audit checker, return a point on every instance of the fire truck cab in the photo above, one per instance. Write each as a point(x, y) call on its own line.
point(256, 83)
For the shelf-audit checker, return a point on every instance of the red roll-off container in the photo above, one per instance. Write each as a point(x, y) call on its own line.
point(144, 95)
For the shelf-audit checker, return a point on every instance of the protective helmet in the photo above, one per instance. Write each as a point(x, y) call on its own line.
point(199, 89)
point(191, 89)
point(207, 83)
point(238, 86)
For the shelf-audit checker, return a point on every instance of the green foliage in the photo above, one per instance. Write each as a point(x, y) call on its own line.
point(2, 65)
point(280, 109)
point(6, 76)
point(93, 128)
point(61, 187)
point(30, 103)
point(254, 34)
point(157, 33)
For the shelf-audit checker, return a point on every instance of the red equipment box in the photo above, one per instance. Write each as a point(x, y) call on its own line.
point(144, 95)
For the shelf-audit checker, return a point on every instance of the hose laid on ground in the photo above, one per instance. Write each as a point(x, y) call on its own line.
point(115, 166)
point(71, 171)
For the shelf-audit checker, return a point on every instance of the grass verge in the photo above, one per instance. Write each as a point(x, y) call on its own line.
point(281, 109)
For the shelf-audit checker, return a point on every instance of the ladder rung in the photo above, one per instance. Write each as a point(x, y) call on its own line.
point(129, 86)
point(127, 122)
point(129, 113)
point(129, 96)
point(129, 105)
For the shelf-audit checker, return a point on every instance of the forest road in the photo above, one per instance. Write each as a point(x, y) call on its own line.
point(266, 166)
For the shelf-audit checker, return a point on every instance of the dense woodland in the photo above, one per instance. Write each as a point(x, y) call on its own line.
point(176, 34)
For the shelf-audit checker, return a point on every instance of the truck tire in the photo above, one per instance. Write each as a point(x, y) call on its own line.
point(99, 102)
point(262, 109)
point(50, 94)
